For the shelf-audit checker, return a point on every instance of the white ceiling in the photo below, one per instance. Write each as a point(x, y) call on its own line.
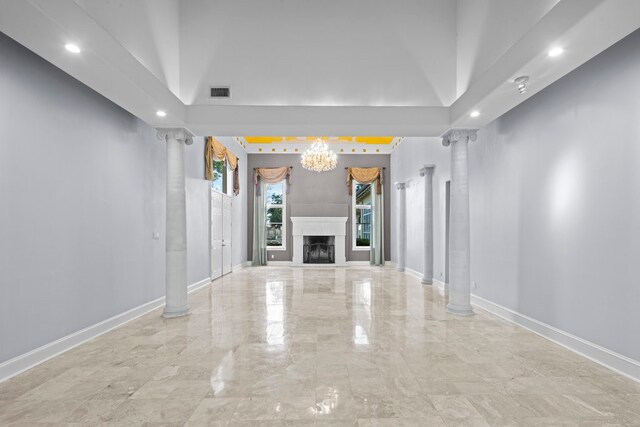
point(301, 67)
point(487, 29)
point(319, 52)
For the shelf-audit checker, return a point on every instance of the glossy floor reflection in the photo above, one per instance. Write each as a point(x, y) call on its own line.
point(354, 346)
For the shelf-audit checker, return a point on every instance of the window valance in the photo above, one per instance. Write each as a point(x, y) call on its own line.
point(272, 175)
point(365, 176)
point(214, 150)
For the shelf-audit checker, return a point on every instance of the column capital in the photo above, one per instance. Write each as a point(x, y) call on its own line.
point(401, 185)
point(427, 170)
point(181, 134)
point(455, 135)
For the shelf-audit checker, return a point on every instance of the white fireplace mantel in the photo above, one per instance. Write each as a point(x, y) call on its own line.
point(319, 226)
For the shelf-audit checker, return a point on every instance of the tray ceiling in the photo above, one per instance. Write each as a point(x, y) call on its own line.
point(317, 67)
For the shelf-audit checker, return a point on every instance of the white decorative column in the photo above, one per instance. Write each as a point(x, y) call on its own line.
point(176, 303)
point(402, 224)
point(459, 236)
point(427, 172)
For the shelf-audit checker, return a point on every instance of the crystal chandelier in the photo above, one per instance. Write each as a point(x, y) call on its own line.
point(319, 158)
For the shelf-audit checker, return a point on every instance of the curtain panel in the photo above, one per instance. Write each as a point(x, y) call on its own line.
point(365, 176)
point(214, 150)
point(259, 256)
point(376, 256)
point(271, 176)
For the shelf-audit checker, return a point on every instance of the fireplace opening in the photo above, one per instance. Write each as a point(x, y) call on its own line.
point(318, 250)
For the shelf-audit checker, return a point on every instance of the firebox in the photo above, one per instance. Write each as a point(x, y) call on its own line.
point(318, 250)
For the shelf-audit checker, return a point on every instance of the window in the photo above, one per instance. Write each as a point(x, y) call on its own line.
point(276, 216)
point(219, 182)
point(361, 215)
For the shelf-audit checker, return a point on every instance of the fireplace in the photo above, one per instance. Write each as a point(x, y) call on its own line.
point(319, 240)
point(318, 250)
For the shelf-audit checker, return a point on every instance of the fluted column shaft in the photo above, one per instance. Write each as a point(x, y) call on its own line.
point(427, 172)
point(176, 303)
point(459, 231)
point(402, 225)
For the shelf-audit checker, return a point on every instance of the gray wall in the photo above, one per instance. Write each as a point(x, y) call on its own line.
point(198, 212)
point(82, 189)
point(318, 188)
point(555, 202)
point(406, 161)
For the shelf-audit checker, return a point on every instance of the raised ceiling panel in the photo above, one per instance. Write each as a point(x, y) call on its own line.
point(148, 29)
point(317, 67)
point(319, 52)
point(488, 28)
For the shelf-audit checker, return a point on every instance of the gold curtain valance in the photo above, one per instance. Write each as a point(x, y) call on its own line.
point(216, 151)
point(272, 175)
point(365, 176)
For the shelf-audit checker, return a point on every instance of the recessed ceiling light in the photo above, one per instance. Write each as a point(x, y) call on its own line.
point(72, 47)
point(475, 113)
point(556, 51)
point(161, 113)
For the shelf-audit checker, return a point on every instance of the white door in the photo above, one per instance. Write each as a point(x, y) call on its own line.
point(227, 263)
point(216, 234)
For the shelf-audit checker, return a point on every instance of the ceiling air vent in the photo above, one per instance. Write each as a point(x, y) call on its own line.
point(220, 92)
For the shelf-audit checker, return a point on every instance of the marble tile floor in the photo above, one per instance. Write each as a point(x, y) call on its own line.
point(319, 347)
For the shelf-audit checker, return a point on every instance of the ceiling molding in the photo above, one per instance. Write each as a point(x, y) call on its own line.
point(338, 148)
point(584, 27)
point(299, 120)
point(104, 64)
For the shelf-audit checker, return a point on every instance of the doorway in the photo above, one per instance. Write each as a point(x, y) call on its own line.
point(221, 222)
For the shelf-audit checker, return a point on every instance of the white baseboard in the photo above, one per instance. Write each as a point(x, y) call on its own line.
point(240, 266)
point(616, 362)
point(19, 364)
point(419, 275)
point(440, 284)
point(290, 263)
point(413, 272)
point(358, 263)
point(278, 263)
point(195, 286)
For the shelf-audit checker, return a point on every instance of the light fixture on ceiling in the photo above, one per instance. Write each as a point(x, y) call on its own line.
point(319, 158)
point(475, 113)
point(522, 83)
point(556, 51)
point(73, 48)
point(161, 113)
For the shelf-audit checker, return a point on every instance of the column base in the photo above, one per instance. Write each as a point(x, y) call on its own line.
point(400, 269)
point(426, 281)
point(175, 312)
point(460, 310)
